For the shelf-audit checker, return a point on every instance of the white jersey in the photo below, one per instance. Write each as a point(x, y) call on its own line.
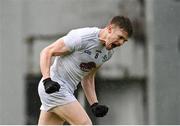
point(87, 52)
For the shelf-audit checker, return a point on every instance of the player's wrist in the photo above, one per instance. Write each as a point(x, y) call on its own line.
point(47, 80)
point(46, 76)
point(94, 104)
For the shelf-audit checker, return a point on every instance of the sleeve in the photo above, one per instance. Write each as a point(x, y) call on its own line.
point(73, 41)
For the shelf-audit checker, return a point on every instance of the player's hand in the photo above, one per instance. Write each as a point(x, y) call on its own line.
point(50, 86)
point(99, 110)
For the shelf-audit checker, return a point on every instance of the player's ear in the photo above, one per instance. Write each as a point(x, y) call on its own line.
point(109, 27)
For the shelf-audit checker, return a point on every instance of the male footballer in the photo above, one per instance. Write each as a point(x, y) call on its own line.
point(78, 56)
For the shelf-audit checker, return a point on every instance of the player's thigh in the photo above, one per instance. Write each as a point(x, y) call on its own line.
point(49, 118)
point(73, 113)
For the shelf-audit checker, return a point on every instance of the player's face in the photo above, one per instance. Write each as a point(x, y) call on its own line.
point(116, 37)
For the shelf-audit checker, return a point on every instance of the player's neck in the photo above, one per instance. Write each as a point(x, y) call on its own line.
point(102, 35)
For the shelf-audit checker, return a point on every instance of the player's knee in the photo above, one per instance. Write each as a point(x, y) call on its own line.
point(85, 122)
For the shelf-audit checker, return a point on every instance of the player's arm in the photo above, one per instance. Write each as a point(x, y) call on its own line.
point(88, 84)
point(57, 48)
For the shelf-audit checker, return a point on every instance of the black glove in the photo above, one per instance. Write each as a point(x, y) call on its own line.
point(99, 110)
point(50, 86)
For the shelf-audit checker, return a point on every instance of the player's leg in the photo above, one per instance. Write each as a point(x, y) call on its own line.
point(49, 118)
point(73, 113)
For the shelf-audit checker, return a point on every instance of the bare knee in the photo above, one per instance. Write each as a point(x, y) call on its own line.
point(85, 122)
point(49, 118)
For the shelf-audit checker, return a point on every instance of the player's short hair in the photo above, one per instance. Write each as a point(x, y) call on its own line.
point(124, 23)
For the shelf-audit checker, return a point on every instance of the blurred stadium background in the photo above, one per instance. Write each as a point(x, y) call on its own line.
point(140, 84)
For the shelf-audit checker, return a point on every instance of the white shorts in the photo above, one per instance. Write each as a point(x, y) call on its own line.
point(49, 101)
